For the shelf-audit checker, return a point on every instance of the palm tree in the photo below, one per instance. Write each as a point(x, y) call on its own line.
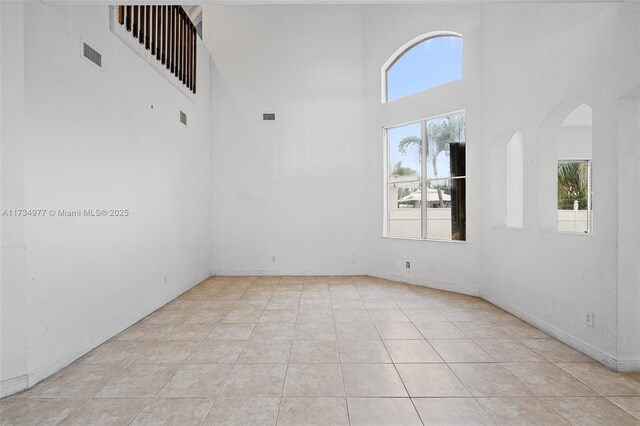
point(440, 133)
point(573, 183)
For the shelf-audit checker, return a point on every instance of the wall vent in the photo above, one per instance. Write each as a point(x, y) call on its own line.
point(269, 116)
point(91, 54)
point(183, 118)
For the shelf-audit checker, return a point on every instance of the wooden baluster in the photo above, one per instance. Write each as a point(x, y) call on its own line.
point(141, 25)
point(189, 41)
point(164, 35)
point(128, 26)
point(121, 15)
point(153, 32)
point(135, 21)
point(171, 44)
point(158, 36)
point(176, 56)
point(182, 44)
point(147, 27)
point(195, 59)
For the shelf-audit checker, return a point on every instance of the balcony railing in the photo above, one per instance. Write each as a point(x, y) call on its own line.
point(168, 33)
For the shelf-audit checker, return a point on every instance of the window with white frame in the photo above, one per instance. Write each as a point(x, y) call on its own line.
point(426, 179)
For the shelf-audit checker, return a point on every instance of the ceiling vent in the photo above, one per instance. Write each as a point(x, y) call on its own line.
point(269, 116)
point(91, 54)
point(183, 118)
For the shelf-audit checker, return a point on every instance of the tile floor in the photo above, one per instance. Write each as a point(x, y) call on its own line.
point(329, 351)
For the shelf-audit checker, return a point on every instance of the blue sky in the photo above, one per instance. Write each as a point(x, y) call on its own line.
point(428, 64)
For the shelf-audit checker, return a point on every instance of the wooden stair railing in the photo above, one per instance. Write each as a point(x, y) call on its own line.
point(169, 35)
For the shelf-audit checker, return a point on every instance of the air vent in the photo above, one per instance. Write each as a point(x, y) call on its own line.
point(269, 116)
point(91, 54)
point(183, 118)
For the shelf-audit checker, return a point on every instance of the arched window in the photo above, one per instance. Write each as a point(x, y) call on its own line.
point(427, 61)
point(515, 181)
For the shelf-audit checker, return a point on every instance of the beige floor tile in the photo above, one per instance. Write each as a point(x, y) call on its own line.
point(480, 330)
point(284, 303)
point(120, 411)
point(517, 329)
point(439, 330)
point(630, 404)
point(231, 332)
point(190, 331)
point(196, 381)
point(347, 304)
point(138, 381)
point(315, 331)
point(424, 315)
point(382, 411)
point(351, 315)
point(489, 380)
point(244, 412)
point(113, 352)
point(602, 380)
point(76, 381)
point(237, 316)
point(356, 331)
point(313, 411)
point(555, 351)
point(460, 350)
point(38, 411)
point(397, 330)
point(279, 315)
point(209, 318)
point(379, 303)
point(314, 380)
point(545, 379)
point(174, 411)
point(363, 351)
point(388, 315)
point(451, 412)
point(265, 352)
point(310, 314)
point(274, 331)
point(591, 411)
point(372, 380)
point(289, 287)
point(255, 380)
point(411, 351)
point(431, 380)
point(145, 330)
point(217, 351)
point(633, 375)
point(529, 411)
point(508, 350)
point(315, 304)
point(314, 352)
point(251, 302)
point(166, 352)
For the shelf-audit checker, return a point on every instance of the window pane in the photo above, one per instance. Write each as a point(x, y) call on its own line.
point(430, 63)
point(446, 218)
point(574, 198)
point(446, 146)
point(404, 212)
point(405, 149)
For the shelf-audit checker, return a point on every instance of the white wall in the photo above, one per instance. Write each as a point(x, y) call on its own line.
point(102, 139)
point(294, 188)
point(546, 59)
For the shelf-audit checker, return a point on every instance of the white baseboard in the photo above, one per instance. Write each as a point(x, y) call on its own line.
point(629, 366)
point(287, 272)
point(14, 385)
point(575, 343)
point(456, 288)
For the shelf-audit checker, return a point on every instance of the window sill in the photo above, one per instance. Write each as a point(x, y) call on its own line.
point(386, 237)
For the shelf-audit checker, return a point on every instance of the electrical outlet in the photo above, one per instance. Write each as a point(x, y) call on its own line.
point(588, 319)
point(273, 259)
point(407, 265)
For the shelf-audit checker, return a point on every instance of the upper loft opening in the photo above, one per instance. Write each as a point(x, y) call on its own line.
point(427, 61)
